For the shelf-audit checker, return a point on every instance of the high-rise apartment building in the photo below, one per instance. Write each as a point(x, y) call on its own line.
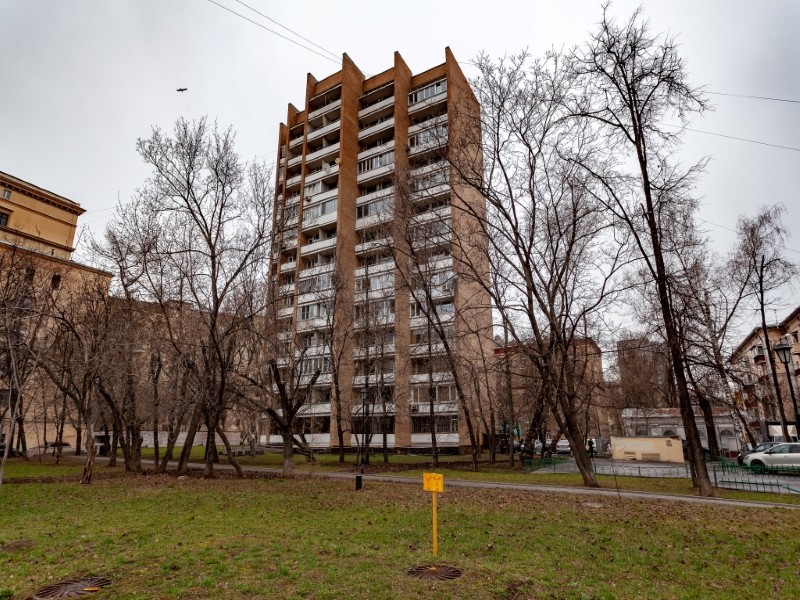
point(374, 230)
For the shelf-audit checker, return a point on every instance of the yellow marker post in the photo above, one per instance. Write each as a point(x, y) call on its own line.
point(434, 483)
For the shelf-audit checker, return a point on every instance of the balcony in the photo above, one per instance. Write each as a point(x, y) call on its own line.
point(376, 128)
point(324, 109)
point(436, 214)
point(314, 247)
point(440, 377)
point(380, 149)
point(285, 312)
point(316, 323)
point(372, 220)
point(375, 173)
point(428, 102)
point(375, 269)
point(319, 221)
point(326, 195)
point(296, 160)
point(326, 171)
point(373, 108)
point(374, 245)
point(317, 269)
point(324, 130)
point(374, 351)
point(421, 349)
point(293, 181)
point(434, 143)
point(286, 289)
point(361, 380)
point(387, 191)
point(322, 152)
point(288, 266)
point(435, 191)
point(427, 124)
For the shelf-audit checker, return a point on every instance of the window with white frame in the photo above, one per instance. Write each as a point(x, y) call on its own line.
point(313, 311)
point(381, 206)
point(318, 210)
point(374, 162)
point(433, 89)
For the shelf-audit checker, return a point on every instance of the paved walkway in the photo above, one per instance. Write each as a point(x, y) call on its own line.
point(523, 487)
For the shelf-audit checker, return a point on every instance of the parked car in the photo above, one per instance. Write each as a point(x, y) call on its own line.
point(760, 448)
point(706, 451)
point(11, 452)
point(780, 456)
point(52, 447)
point(563, 447)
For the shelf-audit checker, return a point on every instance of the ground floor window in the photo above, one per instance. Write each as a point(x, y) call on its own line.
point(444, 424)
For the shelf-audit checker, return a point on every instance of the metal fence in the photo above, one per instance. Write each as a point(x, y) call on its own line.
point(725, 474)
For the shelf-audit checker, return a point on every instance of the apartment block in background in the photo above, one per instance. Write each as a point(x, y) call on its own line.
point(373, 230)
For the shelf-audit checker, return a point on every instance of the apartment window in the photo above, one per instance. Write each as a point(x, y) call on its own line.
point(441, 393)
point(55, 282)
point(30, 273)
point(375, 259)
point(445, 280)
point(443, 424)
point(417, 310)
point(6, 194)
point(313, 311)
point(378, 309)
point(376, 282)
point(318, 210)
point(4, 219)
point(316, 284)
point(376, 207)
point(430, 180)
point(318, 363)
point(375, 162)
point(434, 135)
point(290, 212)
point(420, 336)
point(428, 91)
point(445, 308)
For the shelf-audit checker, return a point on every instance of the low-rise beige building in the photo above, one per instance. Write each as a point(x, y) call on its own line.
point(37, 236)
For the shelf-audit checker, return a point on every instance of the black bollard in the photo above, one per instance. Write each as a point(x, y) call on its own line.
point(358, 482)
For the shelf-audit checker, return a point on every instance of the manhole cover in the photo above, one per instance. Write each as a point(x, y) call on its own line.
point(71, 588)
point(434, 572)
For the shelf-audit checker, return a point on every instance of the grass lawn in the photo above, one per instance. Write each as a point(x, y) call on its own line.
point(160, 537)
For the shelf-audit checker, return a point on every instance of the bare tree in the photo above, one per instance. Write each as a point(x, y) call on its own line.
point(553, 262)
point(762, 269)
point(200, 228)
point(25, 295)
point(631, 84)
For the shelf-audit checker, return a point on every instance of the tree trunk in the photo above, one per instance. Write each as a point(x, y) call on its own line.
point(186, 451)
point(768, 355)
point(88, 467)
point(172, 438)
point(288, 453)
point(231, 458)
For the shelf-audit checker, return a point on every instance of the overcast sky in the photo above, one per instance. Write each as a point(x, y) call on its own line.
point(82, 79)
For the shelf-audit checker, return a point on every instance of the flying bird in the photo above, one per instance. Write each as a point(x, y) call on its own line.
point(182, 89)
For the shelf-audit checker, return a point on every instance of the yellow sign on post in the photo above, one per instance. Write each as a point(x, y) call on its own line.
point(434, 483)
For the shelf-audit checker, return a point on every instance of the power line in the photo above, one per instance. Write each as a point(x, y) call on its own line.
point(734, 231)
point(755, 97)
point(280, 35)
point(738, 139)
point(335, 56)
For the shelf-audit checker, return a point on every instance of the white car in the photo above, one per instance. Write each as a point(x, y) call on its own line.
point(782, 456)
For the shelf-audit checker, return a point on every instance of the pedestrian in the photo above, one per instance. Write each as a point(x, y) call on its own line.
point(591, 448)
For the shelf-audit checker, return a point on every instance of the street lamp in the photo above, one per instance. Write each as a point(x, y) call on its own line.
point(784, 352)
